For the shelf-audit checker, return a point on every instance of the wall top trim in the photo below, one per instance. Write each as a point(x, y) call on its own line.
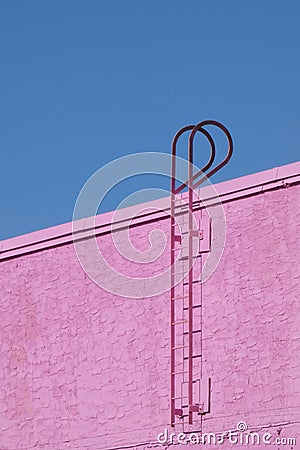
point(254, 184)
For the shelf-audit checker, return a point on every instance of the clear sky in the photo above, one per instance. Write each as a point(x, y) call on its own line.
point(85, 82)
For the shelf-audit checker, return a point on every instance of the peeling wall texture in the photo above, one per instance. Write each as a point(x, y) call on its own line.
point(82, 368)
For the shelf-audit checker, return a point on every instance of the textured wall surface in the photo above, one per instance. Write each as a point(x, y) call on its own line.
point(82, 368)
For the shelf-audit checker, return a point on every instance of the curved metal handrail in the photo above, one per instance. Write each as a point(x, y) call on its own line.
point(174, 149)
point(199, 127)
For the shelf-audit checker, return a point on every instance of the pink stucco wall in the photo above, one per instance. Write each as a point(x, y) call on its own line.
point(85, 369)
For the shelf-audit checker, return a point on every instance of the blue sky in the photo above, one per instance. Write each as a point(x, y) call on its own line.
point(85, 82)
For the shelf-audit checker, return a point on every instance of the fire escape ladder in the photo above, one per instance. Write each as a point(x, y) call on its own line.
point(189, 391)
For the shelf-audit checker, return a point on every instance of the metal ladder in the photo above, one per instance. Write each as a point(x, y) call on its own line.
point(187, 385)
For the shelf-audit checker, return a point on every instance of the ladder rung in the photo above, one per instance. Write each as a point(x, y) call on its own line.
point(194, 381)
point(194, 356)
point(178, 224)
point(179, 373)
point(180, 297)
point(179, 398)
point(179, 322)
point(179, 347)
point(195, 331)
point(184, 248)
point(185, 258)
point(185, 283)
point(193, 307)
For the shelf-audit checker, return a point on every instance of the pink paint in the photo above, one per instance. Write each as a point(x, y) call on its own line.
point(85, 369)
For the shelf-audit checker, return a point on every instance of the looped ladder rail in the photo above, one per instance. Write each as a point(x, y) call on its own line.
point(194, 181)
